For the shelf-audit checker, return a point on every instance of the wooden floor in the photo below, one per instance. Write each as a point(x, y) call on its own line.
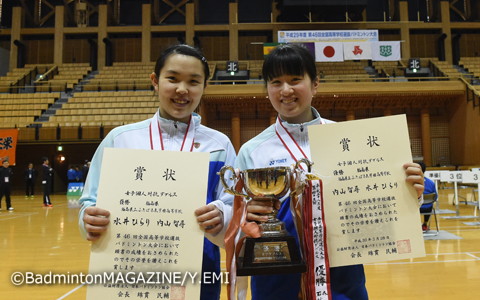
point(40, 240)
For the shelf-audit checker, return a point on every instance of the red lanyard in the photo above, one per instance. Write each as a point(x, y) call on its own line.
point(188, 138)
point(296, 152)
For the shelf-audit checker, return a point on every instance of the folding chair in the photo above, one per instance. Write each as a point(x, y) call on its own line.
point(430, 199)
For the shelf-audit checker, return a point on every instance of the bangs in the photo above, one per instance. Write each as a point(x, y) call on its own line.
point(288, 64)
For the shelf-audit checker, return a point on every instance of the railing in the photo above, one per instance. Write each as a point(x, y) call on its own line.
point(47, 75)
point(129, 84)
point(20, 81)
point(472, 93)
point(43, 87)
point(135, 84)
point(342, 79)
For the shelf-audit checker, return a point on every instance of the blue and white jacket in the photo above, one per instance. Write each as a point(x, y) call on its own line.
point(137, 136)
point(266, 150)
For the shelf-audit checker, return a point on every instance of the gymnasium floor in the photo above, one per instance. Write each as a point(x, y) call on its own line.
point(40, 240)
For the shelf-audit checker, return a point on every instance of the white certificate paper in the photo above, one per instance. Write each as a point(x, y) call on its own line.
point(153, 237)
point(371, 212)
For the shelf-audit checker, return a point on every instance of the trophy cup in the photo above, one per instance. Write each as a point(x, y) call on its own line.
point(275, 251)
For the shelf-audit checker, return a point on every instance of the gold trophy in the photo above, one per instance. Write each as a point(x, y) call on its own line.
point(275, 251)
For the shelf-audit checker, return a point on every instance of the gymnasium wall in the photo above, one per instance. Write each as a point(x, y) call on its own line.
point(464, 125)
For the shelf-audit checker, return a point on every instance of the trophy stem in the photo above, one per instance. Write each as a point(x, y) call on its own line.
point(272, 217)
point(273, 227)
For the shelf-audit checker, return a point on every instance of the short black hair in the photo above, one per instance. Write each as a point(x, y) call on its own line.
point(423, 166)
point(290, 59)
point(44, 159)
point(184, 50)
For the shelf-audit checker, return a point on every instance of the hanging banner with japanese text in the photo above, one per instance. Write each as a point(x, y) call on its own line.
point(153, 247)
point(8, 144)
point(302, 36)
point(372, 213)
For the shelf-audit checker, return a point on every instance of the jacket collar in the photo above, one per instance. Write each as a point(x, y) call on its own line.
point(298, 129)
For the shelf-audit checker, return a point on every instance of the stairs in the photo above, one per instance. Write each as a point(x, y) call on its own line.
point(53, 108)
point(64, 97)
point(371, 71)
point(79, 86)
point(473, 80)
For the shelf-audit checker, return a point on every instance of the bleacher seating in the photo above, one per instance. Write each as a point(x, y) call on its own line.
point(104, 108)
point(20, 110)
point(346, 70)
point(18, 77)
point(122, 76)
point(256, 69)
point(122, 93)
point(445, 68)
point(62, 77)
point(389, 68)
point(471, 64)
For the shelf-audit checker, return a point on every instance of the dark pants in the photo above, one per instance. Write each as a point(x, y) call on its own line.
point(29, 187)
point(5, 191)
point(426, 208)
point(46, 194)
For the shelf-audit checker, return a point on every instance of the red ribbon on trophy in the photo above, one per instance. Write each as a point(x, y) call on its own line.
point(306, 205)
point(234, 243)
point(309, 216)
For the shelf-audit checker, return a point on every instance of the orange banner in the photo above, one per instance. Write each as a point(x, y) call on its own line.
point(8, 144)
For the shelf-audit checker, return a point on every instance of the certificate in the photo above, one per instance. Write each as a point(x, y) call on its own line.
point(371, 212)
point(153, 247)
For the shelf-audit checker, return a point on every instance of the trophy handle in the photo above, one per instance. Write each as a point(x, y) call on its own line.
point(306, 162)
point(228, 189)
point(297, 190)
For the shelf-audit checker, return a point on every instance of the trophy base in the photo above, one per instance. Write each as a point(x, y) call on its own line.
point(270, 255)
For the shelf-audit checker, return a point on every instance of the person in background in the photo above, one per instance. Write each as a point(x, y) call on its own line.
point(47, 180)
point(71, 174)
point(6, 183)
point(30, 175)
point(179, 79)
point(429, 189)
point(78, 174)
point(85, 168)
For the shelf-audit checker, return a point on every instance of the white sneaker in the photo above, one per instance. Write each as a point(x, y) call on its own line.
point(10, 208)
